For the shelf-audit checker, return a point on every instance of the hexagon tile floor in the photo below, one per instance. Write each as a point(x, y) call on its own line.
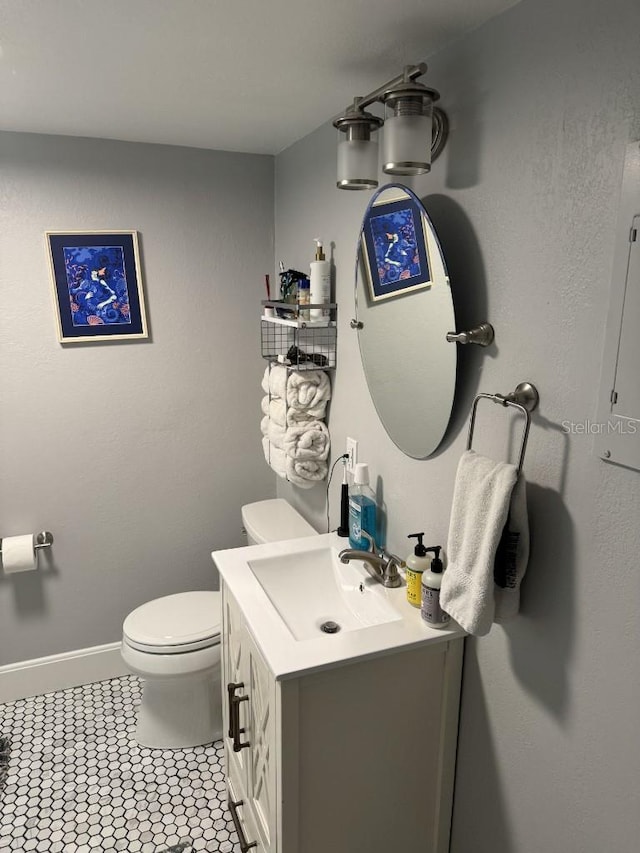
point(73, 780)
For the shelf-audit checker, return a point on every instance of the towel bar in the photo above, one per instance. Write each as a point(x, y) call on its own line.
point(525, 399)
point(43, 540)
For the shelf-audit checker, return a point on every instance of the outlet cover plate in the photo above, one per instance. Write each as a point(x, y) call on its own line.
point(352, 451)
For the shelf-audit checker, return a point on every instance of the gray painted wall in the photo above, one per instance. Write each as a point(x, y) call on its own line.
point(137, 455)
point(543, 102)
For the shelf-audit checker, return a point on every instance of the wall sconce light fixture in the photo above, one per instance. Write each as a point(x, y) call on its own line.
point(414, 133)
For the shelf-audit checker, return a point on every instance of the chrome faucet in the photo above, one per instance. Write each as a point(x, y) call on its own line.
point(381, 566)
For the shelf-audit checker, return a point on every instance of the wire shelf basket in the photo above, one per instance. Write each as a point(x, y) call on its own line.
point(299, 343)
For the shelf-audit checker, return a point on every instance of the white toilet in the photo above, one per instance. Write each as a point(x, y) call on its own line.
point(272, 521)
point(173, 643)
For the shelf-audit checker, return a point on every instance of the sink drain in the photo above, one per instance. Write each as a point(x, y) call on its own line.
point(330, 627)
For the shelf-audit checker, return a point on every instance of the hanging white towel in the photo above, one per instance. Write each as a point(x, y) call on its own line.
point(307, 441)
point(481, 500)
point(512, 556)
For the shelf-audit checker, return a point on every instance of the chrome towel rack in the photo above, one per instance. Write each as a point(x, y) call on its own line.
point(43, 540)
point(525, 399)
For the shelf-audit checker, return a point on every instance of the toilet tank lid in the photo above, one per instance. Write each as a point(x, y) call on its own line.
point(175, 620)
point(274, 520)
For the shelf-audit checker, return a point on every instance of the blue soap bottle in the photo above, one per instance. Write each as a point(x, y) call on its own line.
point(363, 514)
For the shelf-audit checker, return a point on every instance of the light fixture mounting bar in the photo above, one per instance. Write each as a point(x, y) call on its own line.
point(411, 72)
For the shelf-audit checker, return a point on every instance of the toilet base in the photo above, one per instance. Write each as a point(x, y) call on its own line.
point(179, 712)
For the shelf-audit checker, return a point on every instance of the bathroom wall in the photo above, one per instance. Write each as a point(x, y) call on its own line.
point(542, 101)
point(136, 455)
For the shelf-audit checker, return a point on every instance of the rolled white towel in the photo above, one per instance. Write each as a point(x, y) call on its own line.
point(265, 380)
point(278, 411)
point(278, 381)
point(275, 458)
point(305, 473)
point(274, 432)
point(307, 441)
point(307, 389)
point(264, 405)
point(276, 435)
point(280, 414)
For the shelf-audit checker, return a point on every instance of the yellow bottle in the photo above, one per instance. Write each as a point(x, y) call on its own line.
point(417, 563)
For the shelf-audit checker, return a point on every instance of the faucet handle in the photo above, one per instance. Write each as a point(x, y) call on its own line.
point(392, 558)
point(370, 541)
point(390, 573)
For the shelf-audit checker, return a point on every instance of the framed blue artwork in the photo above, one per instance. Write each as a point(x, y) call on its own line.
point(97, 286)
point(394, 249)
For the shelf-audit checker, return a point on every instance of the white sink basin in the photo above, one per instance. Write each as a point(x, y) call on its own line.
point(311, 588)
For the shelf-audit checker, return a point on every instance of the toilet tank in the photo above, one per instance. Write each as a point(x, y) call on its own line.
point(273, 520)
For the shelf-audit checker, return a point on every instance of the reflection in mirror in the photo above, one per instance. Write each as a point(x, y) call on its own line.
point(404, 310)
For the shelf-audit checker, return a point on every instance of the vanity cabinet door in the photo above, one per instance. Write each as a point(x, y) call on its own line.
point(251, 771)
point(261, 769)
point(243, 820)
point(235, 672)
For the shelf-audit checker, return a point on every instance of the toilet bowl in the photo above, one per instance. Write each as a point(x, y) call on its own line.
point(173, 644)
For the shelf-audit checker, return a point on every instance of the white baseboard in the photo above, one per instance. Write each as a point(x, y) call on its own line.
point(57, 672)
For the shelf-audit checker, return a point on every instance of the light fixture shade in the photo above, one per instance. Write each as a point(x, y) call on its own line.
point(407, 145)
point(357, 151)
point(408, 129)
point(357, 164)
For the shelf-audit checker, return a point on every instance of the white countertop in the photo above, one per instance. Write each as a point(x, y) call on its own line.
point(285, 655)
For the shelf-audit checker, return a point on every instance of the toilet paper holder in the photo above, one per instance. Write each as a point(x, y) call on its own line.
point(43, 540)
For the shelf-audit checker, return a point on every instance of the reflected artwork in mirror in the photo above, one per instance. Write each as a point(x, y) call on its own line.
point(404, 310)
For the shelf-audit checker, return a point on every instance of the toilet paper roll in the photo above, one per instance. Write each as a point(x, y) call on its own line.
point(19, 554)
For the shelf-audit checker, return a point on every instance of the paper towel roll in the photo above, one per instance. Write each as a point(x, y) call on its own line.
point(18, 554)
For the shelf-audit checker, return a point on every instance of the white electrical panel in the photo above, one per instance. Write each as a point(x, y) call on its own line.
point(617, 437)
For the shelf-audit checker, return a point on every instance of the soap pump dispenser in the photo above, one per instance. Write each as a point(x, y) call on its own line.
point(320, 285)
point(417, 563)
point(430, 608)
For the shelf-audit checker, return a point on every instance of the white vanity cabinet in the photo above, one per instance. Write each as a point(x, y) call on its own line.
point(355, 756)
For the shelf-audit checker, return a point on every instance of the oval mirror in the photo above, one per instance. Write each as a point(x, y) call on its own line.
point(404, 310)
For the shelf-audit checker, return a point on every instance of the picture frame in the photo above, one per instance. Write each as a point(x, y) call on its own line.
point(97, 285)
point(396, 255)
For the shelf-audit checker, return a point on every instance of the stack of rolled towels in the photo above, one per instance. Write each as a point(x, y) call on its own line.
point(295, 438)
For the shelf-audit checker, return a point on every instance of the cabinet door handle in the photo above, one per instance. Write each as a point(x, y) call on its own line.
point(233, 808)
point(234, 715)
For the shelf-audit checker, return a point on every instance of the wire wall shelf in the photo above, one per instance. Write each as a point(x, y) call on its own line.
point(293, 340)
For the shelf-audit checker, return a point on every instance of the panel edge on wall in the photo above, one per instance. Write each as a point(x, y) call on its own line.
point(617, 437)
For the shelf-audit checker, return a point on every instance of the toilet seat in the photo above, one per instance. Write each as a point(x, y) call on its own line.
point(175, 624)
